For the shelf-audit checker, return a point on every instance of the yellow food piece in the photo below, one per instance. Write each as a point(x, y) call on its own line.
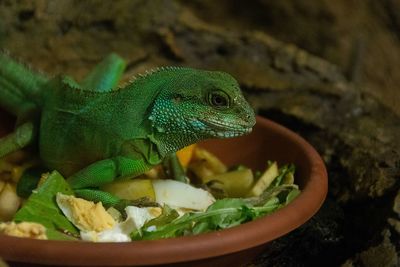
point(3, 263)
point(86, 215)
point(43, 178)
point(17, 157)
point(131, 189)
point(2, 184)
point(5, 170)
point(24, 229)
point(234, 183)
point(265, 180)
point(13, 165)
point(205, 165)
point(156, 172)
point(289, 178)
point(9, 201)
point(154, 211)
point(18, 170)
point(185, 155)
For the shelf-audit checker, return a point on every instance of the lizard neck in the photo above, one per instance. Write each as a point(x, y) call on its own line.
point(172, 142)
point(172, 128)
point(151, 114)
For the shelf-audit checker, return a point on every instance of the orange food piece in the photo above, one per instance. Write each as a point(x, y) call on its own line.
point(185, 155)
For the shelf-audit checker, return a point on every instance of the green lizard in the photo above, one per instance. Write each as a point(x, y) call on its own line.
point(94, 133)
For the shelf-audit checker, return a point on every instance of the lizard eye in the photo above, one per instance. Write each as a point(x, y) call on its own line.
point(218, 99)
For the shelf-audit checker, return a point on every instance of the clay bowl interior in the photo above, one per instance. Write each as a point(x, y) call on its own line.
point(231, 247)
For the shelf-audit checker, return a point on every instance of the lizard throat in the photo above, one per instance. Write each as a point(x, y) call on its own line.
point(172, 142)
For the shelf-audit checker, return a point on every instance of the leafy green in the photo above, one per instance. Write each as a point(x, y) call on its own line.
point(174, 169)
point(167, 216)
point(41, 207)
point(228, 219)
point(54, 234)
point(224, 213)
point(292, 195)
point(283, 171)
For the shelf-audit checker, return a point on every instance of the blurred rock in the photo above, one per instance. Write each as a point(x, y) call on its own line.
point(383, 254)
point(320, 238)
point(337, 107)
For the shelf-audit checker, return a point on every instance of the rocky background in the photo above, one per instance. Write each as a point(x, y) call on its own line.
point(326, 69)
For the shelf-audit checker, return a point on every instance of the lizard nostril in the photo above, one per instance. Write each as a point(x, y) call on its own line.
point(249, 119)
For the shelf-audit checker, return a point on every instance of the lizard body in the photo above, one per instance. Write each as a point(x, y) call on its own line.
point(95, 133)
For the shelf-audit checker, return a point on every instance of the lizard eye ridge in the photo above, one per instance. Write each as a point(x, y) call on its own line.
point(218, 99)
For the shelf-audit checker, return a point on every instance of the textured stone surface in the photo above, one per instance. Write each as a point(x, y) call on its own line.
point(347, 110)
point(361, 37)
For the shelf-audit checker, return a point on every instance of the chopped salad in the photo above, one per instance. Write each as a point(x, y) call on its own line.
point(211, 197)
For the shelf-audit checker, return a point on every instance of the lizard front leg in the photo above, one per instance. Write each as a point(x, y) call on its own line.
point(85, 181)
point(106, 171)
point(110, 200)
point(107, 199)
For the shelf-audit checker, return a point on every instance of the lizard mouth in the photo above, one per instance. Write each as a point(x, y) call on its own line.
point(226, 130)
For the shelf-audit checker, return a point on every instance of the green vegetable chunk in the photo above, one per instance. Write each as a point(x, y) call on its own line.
point(29, 181)
point(235, 183)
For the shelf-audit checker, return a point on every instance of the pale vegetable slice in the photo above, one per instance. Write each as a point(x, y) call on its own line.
point(265, 180)
point(235, 183)
point(9, 202)
point(289, 178)
point(114, 234)
point(142, 215)
point(156, 172)
point(178, 194)
point(2, 184)
point(115, 214)
point(131, 189)
point(205, 165)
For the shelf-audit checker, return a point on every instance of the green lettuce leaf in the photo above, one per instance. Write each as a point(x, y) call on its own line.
point(224, 213)
point(41, 207)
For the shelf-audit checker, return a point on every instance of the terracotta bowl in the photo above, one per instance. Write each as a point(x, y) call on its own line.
point(231, 247)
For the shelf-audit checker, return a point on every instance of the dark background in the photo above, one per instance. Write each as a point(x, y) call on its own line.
point(328, 70)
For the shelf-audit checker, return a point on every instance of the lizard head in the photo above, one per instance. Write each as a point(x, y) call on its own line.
point(201, 104)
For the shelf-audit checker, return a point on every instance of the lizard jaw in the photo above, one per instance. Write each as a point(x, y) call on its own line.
point(230, 134)
point(226, 130)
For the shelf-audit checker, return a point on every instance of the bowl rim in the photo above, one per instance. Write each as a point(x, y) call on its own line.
point(196, 247)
